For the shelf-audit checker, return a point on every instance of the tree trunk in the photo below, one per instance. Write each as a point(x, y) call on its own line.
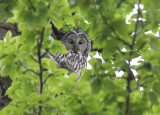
point(5, 83)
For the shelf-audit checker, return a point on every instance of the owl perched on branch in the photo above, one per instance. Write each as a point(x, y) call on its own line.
point(78, 45)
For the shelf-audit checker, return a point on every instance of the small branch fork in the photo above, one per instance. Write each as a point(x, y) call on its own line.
point(41, 69)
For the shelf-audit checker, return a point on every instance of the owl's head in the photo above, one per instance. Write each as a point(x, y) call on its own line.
point(77, 41)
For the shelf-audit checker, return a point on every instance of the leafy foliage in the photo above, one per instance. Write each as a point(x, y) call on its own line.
point(100, 91)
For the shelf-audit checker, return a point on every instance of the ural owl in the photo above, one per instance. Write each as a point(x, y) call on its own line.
point(78, 45)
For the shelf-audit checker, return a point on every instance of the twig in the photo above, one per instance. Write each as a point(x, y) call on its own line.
point(34, 59)
point(142, 27)
point(44, 54)
point(49, 75)
point(39, 43)
point(120, 39)
point(28, 68)
point(32, 7)
point(140, 84)
point(123, 53)
point(40, 59)
point(135, 30)
point(141, 46)
point(110, 27)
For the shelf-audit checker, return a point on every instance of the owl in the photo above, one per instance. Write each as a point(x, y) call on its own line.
point(78, 45)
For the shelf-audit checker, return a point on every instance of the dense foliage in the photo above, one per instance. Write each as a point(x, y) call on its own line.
point(100, 91)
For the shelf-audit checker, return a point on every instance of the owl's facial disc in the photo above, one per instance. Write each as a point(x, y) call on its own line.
point(76, 43)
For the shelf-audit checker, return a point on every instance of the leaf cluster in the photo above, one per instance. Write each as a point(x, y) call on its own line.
point(39, 87)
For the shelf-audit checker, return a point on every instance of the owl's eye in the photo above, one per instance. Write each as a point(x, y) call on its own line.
point(80, 43)
point(71, 42)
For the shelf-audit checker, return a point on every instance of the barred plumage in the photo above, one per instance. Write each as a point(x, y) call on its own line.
point(79, 46)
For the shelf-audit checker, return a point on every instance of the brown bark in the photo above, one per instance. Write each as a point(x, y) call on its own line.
point(5, 27)
point(5, 83)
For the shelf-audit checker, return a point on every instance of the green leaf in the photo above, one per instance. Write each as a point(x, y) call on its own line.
point(86, 74)
point(93, 53)
point(28, 88)
point(8, 36)
point(5, 70)
point(60, 71)
point(51, 65)
point(93, 61)
point(156, 87)
point(58, 46)
point(2, 16)
point(110, 99)
point(108, 85)
point(109, 48)
point(2, 6)
point(133, 83)
point(96, 84)
point(153, 97)
point(155, 44)
point(7, 60)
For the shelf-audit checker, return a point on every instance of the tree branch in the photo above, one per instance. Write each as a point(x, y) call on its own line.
point(127, 105)
point(49, 75)
point(110, 27)
point(129, 77)
point(141, 46)
point(135, 30)
point(34, 59)
point(28, 68)
point(39, 43)
point(140, 84)
point(142, 27)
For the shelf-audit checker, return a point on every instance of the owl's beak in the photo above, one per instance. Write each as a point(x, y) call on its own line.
point(75, 49)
